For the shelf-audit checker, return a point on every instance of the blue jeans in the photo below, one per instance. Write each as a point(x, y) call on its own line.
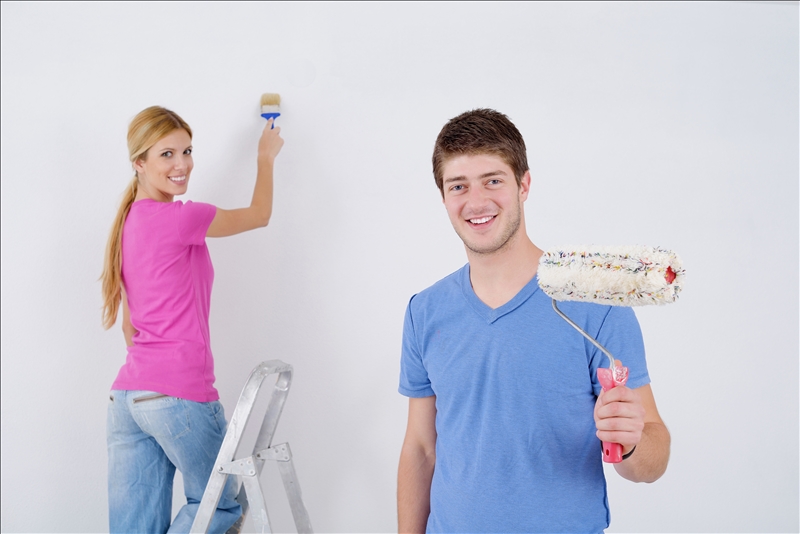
point(149, 435)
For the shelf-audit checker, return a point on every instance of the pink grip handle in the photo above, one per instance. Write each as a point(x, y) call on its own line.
point(612, 452)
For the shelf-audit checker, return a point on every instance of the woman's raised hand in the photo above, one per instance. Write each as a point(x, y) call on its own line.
point(231, 222)
point(270, 143)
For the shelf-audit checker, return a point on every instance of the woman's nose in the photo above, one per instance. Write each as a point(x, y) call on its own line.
point(182, 162)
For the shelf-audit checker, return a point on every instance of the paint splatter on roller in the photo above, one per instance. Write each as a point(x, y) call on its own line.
point(271, 106)
point(615, 276)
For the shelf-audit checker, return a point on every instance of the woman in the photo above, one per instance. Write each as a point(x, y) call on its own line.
point(164, 410)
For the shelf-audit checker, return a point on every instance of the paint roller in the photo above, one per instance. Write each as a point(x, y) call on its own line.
point(615, 276)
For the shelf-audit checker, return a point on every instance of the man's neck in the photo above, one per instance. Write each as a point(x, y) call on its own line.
point(496, 278)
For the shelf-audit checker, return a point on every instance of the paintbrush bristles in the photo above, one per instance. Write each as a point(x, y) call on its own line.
point(270, 99)
point(271, 104)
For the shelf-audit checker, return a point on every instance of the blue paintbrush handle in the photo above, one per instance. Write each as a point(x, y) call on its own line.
point(272, 116)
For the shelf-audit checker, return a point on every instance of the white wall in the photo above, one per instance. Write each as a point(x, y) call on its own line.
point(672, 124)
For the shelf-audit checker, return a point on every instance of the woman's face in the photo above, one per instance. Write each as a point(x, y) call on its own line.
point(165, 171)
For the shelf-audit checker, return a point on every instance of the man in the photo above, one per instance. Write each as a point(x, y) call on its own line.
point(505, 413)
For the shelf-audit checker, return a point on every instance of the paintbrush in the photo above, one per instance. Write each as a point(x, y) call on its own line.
point(271, 106)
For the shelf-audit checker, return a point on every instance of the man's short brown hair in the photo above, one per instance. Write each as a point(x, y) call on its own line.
point(480, 131)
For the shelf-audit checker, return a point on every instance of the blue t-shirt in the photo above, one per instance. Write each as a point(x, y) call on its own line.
point(515, 388)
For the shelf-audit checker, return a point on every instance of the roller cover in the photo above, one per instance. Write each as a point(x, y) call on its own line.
point(617, 276)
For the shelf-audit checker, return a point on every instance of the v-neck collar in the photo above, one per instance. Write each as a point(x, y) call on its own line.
point(487, 313)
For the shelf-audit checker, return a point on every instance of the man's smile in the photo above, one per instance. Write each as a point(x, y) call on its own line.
point(482, 220)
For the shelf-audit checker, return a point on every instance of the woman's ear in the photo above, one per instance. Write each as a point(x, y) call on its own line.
point(138, 165)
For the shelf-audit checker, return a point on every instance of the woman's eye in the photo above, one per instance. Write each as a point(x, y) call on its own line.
point(167, 154)
point(188, 151)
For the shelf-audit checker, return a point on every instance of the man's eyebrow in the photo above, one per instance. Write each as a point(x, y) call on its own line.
point(492, 173)
point(462, 178)
point(455, 179)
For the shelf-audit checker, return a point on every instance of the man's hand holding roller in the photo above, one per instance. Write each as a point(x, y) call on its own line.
point(630, 417)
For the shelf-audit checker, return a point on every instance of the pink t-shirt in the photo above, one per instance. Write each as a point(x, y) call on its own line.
point(167, 274)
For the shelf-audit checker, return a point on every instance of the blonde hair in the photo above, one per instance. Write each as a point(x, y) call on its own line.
point(145, 130)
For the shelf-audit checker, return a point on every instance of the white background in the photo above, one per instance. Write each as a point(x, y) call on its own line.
point(670, 124)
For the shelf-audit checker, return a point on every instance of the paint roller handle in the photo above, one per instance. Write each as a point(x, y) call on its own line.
point(612, 452)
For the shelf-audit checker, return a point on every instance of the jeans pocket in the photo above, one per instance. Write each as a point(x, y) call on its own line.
point(217, 416)
point(161, 416)
point(145, 398)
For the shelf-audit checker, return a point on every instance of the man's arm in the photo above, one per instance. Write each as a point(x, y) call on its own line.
point(417, 459)
point(630, 417)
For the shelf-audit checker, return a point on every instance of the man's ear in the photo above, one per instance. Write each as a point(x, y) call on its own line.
point(525, 185)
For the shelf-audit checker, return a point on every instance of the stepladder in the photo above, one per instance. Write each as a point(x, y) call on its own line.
point(248, 468)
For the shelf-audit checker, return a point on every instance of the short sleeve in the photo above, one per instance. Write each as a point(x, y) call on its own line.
point(621, 335)
point(194, 218)
point(414, 380)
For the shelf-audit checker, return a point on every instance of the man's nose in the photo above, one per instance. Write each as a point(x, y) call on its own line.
point(477, 197)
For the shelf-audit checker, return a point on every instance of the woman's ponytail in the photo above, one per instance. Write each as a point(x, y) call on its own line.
point(112, 265)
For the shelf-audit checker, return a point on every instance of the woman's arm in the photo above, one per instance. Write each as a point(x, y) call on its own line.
point(231, 222)
point(127, 328)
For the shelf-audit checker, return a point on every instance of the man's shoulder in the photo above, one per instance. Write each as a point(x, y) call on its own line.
point(441, 289)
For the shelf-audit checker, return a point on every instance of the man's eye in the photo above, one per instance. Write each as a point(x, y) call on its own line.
point(494, 181)
point(457, 188)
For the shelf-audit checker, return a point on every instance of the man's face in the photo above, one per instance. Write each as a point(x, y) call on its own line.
point(483, 201)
